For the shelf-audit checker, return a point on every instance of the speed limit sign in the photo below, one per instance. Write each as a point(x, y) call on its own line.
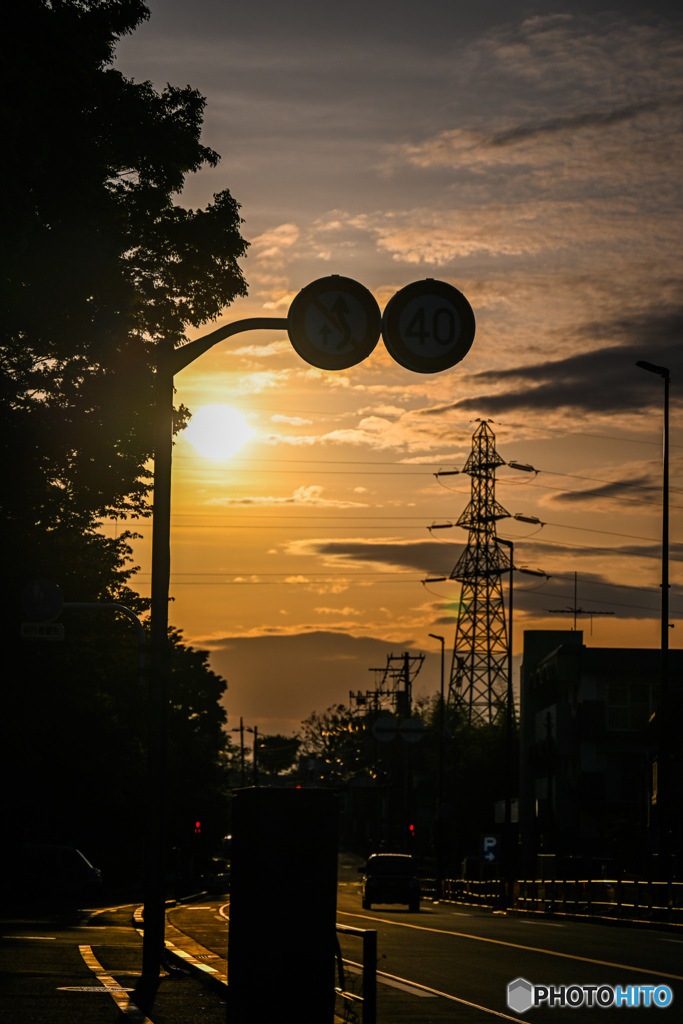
point(428, 326)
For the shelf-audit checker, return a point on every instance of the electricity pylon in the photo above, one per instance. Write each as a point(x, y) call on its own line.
point(479, 670)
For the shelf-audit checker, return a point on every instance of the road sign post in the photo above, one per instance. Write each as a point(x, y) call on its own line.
point(333, 323)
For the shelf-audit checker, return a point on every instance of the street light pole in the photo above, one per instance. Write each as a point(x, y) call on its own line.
point(169, 362)
point(663, 710)
point(509, 719)
point(439, 789)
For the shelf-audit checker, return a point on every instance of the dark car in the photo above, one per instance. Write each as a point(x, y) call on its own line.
point(58, 874)
point(391, 878)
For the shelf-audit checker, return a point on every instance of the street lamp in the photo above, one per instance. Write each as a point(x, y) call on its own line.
point(254, 757)
point(512, 770)
point(663, 710)
point(169, 362)
point(439, 790)
point(509, 718)
point(240, 730)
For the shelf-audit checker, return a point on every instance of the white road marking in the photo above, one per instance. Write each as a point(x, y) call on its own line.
point(414, 988)
point(517, 945)
point(113, 988)
point(544, 924)
point(387, 979)
point(191, 959)
point(34, 938)
point(101, 989)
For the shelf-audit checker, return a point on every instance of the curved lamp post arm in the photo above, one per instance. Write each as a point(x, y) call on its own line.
point(169, 362)
point(124, 611)
point(179, 358)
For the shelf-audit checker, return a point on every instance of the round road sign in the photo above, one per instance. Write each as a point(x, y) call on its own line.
point(412, 730)
point(385, 728)
point(428, 326)
point(42, 600)
point(334, 323)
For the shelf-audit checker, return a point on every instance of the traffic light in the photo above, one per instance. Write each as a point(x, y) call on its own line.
point(197, 827)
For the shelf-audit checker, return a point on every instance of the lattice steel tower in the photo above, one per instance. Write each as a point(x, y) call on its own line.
point(479, 672)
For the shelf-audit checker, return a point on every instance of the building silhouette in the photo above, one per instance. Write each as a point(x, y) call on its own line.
point(587, 752)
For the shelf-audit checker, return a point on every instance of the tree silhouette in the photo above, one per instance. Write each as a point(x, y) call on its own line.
point(100, 261)
point(101, 264)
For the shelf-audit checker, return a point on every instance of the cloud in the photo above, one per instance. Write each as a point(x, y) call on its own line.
point(272, 246)
point(273, 348)
point(622, 490)
point(428, 557)
point(601, 382)
point(314, 670)
point(310, 496)
point(345, 612)
point(292, 421)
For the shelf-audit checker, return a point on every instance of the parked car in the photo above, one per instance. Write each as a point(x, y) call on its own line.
point(391, 878)
point(50, 872)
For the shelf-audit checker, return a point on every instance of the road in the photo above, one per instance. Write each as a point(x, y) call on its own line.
point(84, 968)
point(446, 963)
point(454, 963)
point(470, 956)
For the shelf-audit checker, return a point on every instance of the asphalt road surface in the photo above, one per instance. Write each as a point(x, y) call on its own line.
point(454, 963)
point(446, 963)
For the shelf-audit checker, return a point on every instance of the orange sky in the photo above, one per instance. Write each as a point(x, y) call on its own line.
point(536, 166)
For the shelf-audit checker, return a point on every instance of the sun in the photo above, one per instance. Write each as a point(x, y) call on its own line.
point(218, 431)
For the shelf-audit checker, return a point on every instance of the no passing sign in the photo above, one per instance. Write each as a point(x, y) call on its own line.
point(428, 326)
point(334, 323)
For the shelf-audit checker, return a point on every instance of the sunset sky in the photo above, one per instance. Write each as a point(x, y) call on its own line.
point(530, 155)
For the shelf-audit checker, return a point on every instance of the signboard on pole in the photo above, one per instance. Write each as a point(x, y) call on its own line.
point(42, 631)
point(428, 326)
point(334, 323)
point(490, 848)
point(42, 600)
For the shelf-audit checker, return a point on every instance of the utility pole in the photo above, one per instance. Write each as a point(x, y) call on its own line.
point(664, 709)
point(439, 784)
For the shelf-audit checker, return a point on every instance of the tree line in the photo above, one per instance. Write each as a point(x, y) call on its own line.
point(101, 265)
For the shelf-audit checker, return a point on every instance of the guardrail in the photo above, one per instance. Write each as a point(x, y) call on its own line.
point(367, 970)
point(614, 899)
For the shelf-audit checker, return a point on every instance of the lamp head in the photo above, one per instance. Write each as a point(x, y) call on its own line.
point(661, 370)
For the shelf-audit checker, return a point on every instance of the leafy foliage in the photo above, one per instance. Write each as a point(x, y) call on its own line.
point(100, 261)
point(100, 265)
point(277, 753)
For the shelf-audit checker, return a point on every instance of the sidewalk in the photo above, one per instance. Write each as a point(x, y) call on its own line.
point(86, 965)
point(209, 968)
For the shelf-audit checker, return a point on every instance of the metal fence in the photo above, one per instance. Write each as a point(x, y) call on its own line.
point(366, 999)
point(613, 899)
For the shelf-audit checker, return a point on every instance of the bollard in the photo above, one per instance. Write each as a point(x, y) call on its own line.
point(283, 899)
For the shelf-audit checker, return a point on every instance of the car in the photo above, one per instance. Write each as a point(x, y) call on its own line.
point(391, 878)
point(52, 872)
